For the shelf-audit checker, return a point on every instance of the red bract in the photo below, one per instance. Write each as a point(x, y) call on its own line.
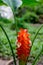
point(23, 44)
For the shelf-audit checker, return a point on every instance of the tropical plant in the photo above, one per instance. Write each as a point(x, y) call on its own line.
point(23, 41)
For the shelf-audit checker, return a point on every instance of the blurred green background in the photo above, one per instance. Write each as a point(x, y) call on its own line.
point(29, 16)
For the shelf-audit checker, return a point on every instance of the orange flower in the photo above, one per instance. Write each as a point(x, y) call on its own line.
point(23, 44)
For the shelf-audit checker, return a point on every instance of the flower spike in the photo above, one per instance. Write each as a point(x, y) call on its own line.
point(23, 44)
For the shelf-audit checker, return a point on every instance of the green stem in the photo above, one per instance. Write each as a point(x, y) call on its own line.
point(22, 62)
point(35, 37)
point(33, 42)
point(37, 57)
point(14, 19)
point(36, 34)
point(9, 44)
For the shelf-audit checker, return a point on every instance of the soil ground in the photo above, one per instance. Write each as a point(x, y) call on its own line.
point(4, 62)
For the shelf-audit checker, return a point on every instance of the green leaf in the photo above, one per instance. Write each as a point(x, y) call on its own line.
point(41, 1)
point(5, 20)
point(7, 2)
point(32, 2)
point(16, 3)
point(1, 2)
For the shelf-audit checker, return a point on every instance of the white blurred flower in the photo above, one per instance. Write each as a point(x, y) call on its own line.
point(6, 12)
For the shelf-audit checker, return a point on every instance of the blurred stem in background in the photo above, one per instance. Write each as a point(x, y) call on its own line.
point(9, 44)
point(36, 34)
point(38, 56)
point(14, 18)
point(33, 42)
